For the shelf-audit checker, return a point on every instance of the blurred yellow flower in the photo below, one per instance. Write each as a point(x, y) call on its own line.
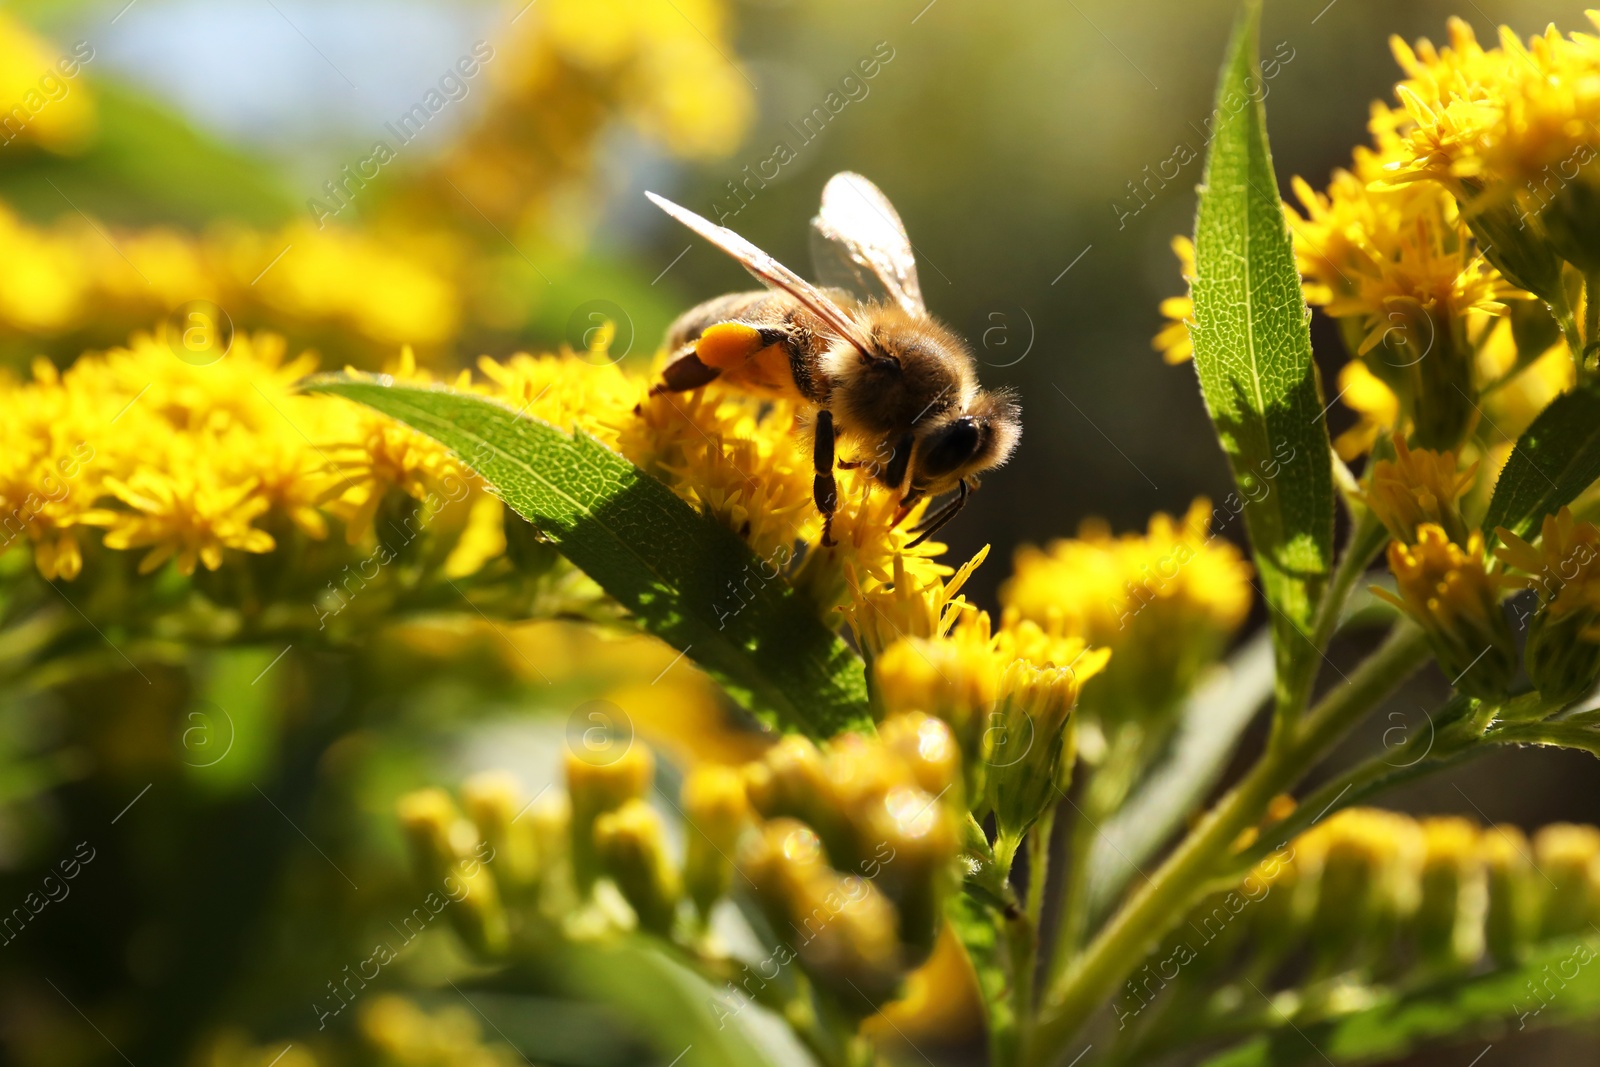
point(1174, 342)
point(1164, 602)
point(42, 100)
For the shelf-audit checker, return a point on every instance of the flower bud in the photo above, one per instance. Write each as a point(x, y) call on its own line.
point(629, 844)
point(1563, 649)
point(1450, 917)
point(788, 781)
point(1369, 883)
point(840, 927)
point(1025, 749)
point(912, 838)
point(431, 825)
point(596, 788)
point(1562, 654)
point(447, 853)
point(1572, 221)
point(717, 810)
point(952, 678)
point(494, 801)
point(1447, 590)
point(1568, 857)
point(927, 746)
point(1516, 244)
point(1512, 922)
point(1417, 487)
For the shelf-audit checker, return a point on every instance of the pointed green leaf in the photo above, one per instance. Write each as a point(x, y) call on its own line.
point(1559, 983)
point(1556, 458)
point(1252, 351)
point(685, 578)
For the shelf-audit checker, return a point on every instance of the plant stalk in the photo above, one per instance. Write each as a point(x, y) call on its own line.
point(1161, 903)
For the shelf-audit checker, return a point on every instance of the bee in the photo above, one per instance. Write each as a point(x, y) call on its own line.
point(863, 355)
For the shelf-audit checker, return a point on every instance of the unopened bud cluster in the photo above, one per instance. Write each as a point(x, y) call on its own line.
point(848, 849)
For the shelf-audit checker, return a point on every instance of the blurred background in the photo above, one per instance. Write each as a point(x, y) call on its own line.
point(1042, 155)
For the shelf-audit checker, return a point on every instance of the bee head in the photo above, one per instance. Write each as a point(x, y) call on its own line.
point(966, 441)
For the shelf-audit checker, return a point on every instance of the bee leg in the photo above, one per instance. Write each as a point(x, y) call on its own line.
point(685, 372)
point(823, 487)
point(907, 502)
point(932, 524)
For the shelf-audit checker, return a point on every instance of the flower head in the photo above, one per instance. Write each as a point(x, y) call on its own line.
point(1174, 342)
point(1563, 651)
point(1164, 602)
point(1446, 588)
point(1417, 487)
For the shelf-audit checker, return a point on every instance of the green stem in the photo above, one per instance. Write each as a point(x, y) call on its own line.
point(1161, 903)
point(1591, 316)
point(1561, 308)
point(1367, 538)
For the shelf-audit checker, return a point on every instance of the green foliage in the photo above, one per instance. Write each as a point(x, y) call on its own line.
point(1564, 974)
point(667, 564)
point(1555, 460)
point(1252, 350)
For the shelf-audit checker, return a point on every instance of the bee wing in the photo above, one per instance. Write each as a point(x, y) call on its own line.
point(770, 272)
point(860, 243)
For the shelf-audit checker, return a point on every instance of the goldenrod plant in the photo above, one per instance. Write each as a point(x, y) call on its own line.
point(806, 792)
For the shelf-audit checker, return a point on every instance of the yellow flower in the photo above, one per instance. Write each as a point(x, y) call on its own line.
point(1563, 649)
point(1502, 116)
point(1164, 602)
point(1174, 342)
point(1375, 404)
point(1446, 588)
point(1419, 487)
point(42, 92)
point(191, 512)
point(1402, 273)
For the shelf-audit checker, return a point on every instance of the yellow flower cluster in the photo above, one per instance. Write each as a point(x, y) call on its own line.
point(849, 847)
point(1447, 588)
point(55, 278)
point(41, 101)
point(570, 74)
point(1495, 120)
point(1446, 886)
point(192, 462)
point(1423, 248)
point(1563, 649)
point(1165, 603)
point(1416, 487)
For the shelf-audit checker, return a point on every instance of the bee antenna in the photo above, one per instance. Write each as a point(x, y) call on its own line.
point(931, 525)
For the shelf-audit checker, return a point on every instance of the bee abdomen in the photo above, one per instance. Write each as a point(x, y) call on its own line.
point(755, 307)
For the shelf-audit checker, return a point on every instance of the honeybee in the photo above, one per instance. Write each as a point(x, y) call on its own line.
point(898, 388)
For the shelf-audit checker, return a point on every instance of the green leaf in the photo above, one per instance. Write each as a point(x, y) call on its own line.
point(672, 567)
point(1556, 458)
point(977, 927)
point(1565, 972)
point(1212, 719)
point(1252, 351)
